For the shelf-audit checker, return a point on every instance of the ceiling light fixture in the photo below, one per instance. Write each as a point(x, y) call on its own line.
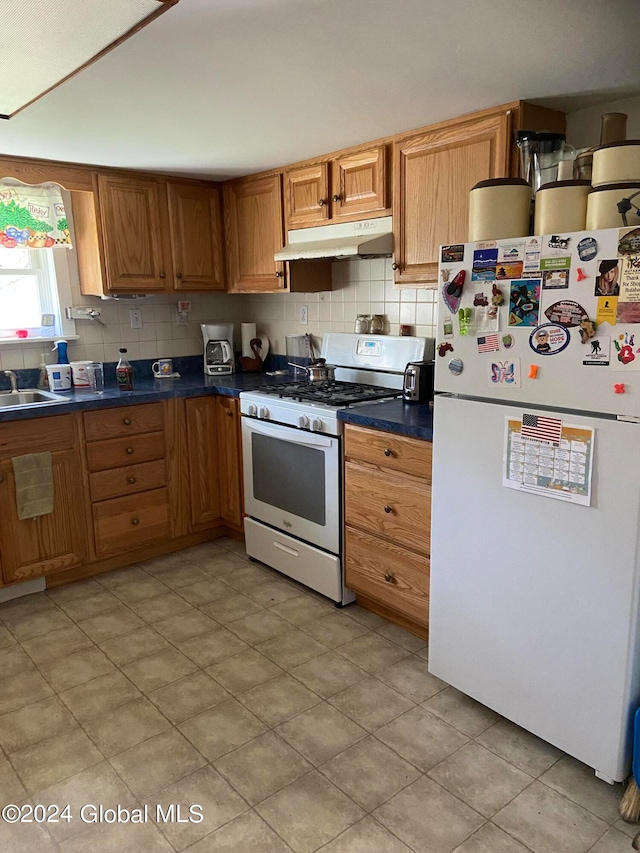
point(45, 43)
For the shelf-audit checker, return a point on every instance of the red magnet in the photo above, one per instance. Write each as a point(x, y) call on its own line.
point(581, 275)
point(619, 389)
point(533, 371)
point(444, 348)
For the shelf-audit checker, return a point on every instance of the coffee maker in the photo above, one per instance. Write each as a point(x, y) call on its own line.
point(218, 348)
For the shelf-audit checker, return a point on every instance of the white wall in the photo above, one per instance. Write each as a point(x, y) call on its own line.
point(583, 126)
point(359, 287)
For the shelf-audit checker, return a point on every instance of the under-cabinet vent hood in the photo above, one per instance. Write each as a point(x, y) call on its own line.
point(365, 238)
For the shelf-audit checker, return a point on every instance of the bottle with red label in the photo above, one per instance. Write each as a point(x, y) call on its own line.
point(124, 372)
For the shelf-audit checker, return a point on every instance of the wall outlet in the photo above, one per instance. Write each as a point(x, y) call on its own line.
point(135, 317)
point(303, 315)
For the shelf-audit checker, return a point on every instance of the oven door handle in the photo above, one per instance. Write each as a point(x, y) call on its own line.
point(294, 435)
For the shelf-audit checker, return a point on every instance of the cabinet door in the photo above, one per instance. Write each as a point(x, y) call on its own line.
point(433, 173)
point(253, 226)
point(196, 237)
point(202, 450)
point(229, 459)
point(48, 543)
point(134, 221)
point(306, 194)
point(359, 184)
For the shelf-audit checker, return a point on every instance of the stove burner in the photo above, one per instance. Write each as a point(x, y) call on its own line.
point(331, 393)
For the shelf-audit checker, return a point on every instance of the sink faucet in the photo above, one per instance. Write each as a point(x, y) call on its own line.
point(13, 379)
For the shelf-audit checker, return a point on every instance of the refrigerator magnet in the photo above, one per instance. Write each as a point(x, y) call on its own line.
point(488, 343)
point(456, 366)
point(452, 254)
point(555, 279)
point(625, 353)
point(598, 352)
point(505, 373)
point(524, 302)
point(508, 341)
point(607, 310)
point(444, 348)
point(484, 265)
point(447, 327)
point(549, 339)
point(629, 241)
point(587, 249)
point(566, 313)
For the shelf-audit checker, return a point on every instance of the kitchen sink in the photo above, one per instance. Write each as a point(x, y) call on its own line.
point(29, 397)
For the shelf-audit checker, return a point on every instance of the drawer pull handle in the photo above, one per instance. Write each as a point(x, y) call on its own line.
point(389, 577)
point(286, 549)
point(229, 413)
point(388, 509)
point(135, 521)
point(337, 197)
point(126, 421)
point(131, 480)
point(388, 451)
point(129, 450)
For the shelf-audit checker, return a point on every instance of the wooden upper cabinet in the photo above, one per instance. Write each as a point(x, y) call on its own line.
point(307, 195)
point(349, 186)
point(433, 172)
point(359, 184)
point(254, 232)
point(133, 213)
point(196, 237)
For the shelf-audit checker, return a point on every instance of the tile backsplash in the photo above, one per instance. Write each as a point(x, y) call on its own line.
point(359, 287)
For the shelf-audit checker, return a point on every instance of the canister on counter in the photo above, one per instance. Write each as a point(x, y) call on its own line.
point(499, 209)
point(561, 206)
point(616, 163)
point(602, 204)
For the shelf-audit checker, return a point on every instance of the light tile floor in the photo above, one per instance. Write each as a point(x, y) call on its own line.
point(202, 678)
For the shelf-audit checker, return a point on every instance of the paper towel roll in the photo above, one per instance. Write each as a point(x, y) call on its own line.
point(247, 333)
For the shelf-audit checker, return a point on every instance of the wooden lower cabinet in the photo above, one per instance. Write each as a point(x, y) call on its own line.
point(129, 480)
point(124, 524)
point(387, 524)
point(48, 543)
point(202, 449)
point(230, 459)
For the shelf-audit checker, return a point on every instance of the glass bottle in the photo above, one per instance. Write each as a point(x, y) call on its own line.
point(362, 324)
point(124, 372)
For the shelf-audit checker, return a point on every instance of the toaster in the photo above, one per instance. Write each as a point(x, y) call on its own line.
point(418, 382)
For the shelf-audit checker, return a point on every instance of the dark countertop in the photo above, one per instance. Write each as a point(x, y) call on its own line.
point(146, 391)
point(412, 419)
point(391, 415)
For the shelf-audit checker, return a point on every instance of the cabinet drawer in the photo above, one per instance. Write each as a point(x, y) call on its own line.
point(410, 455)
point(393, 506)
point(389, 574)
point(117, 452)
point(128, 480)
point(40, 434)
point(123, 524)
point(123, 420)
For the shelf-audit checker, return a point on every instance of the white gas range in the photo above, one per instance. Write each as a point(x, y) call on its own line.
point(292, 454)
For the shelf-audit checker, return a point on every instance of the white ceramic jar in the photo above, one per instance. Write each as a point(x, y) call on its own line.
point(616, 163)
point(561, 206)
point(602, 205)
point(499, 209)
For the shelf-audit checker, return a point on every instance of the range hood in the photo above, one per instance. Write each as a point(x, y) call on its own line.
point(365, 238)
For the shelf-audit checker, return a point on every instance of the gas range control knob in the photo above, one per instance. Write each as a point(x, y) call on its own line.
point(303, 422)
point(263, 413)
point(317, 425)
point(252, 410)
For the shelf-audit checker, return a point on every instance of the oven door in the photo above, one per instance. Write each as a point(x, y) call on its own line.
point(292, 481)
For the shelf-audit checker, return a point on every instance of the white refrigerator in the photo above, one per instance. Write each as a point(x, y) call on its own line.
point(535, 578)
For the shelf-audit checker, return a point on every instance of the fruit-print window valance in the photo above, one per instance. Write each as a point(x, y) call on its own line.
point(32, 216)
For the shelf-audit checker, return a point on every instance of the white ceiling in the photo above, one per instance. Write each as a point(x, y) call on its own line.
point(218, 88)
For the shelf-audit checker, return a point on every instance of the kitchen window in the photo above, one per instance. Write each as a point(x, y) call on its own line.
point(34, 283)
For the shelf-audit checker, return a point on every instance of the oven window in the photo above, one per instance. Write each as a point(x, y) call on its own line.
point(289, 476)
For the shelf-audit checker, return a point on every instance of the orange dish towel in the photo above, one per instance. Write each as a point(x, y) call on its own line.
point(33, 474)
